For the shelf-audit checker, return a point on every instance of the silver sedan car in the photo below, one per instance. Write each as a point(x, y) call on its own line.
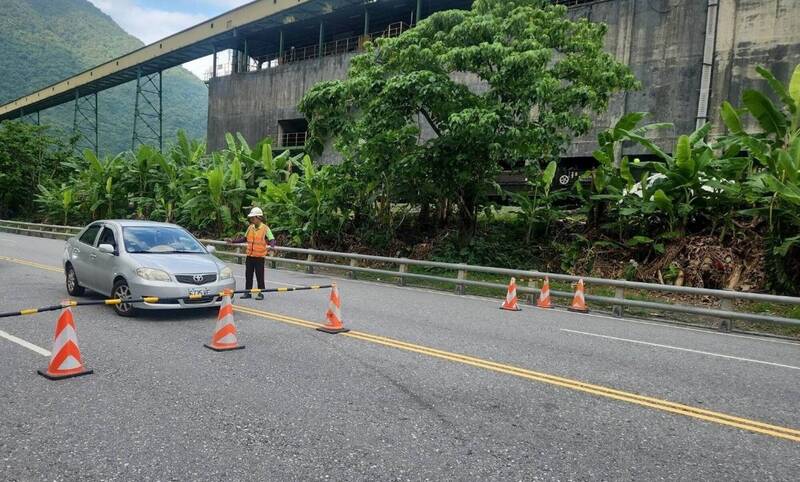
point(133, 259)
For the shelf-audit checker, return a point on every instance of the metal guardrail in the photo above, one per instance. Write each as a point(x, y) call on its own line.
point(726, 297)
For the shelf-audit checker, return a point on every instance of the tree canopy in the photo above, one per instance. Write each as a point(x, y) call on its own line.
point(406, 115)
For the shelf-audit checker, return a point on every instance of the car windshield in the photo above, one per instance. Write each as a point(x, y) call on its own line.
point(158, 239)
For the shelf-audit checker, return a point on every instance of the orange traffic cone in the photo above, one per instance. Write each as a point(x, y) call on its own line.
point(224, 338)
point(544, 295)
point(334, 315)
point(510, 303)
point(579, 302)
point(66, 358)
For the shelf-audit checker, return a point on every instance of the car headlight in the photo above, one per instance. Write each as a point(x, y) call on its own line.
point(225, 273)
point(151, 274)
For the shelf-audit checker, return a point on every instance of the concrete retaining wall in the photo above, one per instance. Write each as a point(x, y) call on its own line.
point(661, 40)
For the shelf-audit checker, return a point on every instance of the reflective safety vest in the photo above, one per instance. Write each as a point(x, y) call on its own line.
point(257, 241)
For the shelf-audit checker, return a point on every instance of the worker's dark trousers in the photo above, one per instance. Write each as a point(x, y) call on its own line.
point(254, 265)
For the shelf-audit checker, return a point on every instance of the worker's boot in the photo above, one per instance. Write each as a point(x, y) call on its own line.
point(246, 296)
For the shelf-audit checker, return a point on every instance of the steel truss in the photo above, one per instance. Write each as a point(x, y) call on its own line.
point(148, 121)
point(84, 122)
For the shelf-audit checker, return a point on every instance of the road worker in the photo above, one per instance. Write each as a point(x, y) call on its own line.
point(259, 240)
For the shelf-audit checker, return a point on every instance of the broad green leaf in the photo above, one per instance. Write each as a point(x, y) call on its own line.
point(639, 240)
point(630, 121)
point(794, 93)
point(769, 118)
point(266, 158)
point(699, 134)
point(683, 155)
point(652, 127)
point(794, 86)
point(548, 175)
point(662, 201)
point(731, 118)
point(229, 139)
point(787, 244)
point(647, 143)
point(625, 173)
point(778, 88)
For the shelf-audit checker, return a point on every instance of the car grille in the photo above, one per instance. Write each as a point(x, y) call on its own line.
point(202, 279)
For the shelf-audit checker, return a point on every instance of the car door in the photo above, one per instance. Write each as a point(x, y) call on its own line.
point(105, 264)
point(84, 254)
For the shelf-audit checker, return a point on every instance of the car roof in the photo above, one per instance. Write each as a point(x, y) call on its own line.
point(138, 223)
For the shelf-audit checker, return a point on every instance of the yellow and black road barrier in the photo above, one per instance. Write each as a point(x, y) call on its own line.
point(155, 299)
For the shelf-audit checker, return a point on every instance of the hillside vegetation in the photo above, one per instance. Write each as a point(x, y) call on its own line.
point(44, 41)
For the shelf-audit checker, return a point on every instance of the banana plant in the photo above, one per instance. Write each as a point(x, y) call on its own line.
point(772, 182)
point(211, 199)
point(56, 201)
point(537, 208)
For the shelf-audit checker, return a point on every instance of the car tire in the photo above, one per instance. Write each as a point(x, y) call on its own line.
point(122, 291)
point(73, 287)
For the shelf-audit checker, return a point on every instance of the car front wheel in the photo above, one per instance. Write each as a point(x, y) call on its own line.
point(122, 291)
point(73, 288)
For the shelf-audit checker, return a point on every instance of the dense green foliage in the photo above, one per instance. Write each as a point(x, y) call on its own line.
point(744, 184)
point(745, 181)
point(538, 76)
point(206, 192)
point(29, 155)
point(41, 43)
point(399, 191)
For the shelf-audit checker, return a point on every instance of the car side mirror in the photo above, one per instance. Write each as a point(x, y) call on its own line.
point(106, 248)
point(211, 249)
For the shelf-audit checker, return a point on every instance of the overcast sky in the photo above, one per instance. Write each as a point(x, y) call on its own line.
point(151, 20)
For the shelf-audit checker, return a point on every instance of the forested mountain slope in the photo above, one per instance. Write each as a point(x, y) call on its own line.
point(44, 41)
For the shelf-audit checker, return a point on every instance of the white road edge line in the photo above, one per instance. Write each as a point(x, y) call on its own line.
point(26, 344)
point(670, 347)
point(708, 331)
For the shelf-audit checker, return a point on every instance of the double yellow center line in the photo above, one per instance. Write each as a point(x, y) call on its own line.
point(31, 263)
point(650, 402)
point(577, 385)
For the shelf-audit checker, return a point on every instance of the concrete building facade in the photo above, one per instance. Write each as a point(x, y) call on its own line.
point(690, 55)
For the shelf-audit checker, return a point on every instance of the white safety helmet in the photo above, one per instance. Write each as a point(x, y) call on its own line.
point(256, 212)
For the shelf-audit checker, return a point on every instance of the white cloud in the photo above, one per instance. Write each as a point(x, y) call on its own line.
point(150, 24)
point(147, 24)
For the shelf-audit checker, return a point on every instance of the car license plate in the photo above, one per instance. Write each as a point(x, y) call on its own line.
point(198, 292)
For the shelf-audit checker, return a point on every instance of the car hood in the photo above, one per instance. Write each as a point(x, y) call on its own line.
point(178, 263)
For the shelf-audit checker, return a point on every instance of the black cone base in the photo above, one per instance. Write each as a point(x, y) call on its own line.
point(238, 347)
point(63, 377)
point(332, 331)
point(576, 310)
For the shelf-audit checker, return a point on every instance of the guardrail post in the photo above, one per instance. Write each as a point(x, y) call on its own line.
point(531, 297)
point(309, 268)
point(272, 263)
point(403, 269)
point(352, 274)
point(619, 293)
point(727, 323)
point(239, 259)
point(460, 288)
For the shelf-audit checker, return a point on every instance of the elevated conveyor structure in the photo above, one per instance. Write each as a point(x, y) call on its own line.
point(226, 31)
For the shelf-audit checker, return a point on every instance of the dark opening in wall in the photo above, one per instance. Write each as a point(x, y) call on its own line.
point(292, 132)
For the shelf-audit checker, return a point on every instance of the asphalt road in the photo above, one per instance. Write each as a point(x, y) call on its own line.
point(428, 386)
